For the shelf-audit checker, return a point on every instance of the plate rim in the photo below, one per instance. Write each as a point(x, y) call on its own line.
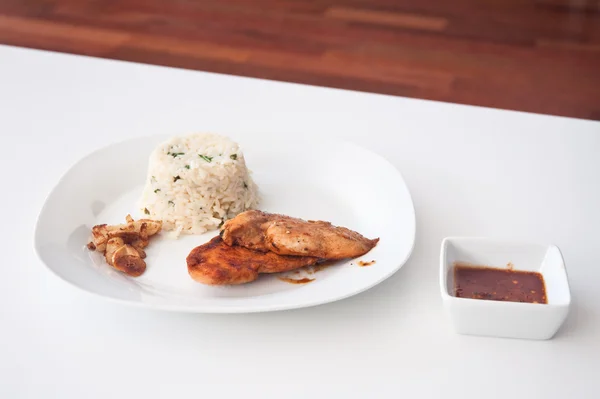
point(211, 309)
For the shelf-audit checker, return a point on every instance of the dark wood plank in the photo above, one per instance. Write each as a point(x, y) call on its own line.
point(531, 55)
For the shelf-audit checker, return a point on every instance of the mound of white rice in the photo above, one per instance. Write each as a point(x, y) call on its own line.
point(196, 182)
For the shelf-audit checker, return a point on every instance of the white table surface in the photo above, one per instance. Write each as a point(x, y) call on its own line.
point(471, 171)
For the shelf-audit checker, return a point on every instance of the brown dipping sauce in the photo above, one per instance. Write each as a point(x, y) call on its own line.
point(499, 284)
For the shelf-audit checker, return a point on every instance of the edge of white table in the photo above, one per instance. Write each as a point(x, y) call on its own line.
point(471, 171)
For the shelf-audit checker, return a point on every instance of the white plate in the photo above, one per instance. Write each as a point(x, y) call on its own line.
point(307, 178)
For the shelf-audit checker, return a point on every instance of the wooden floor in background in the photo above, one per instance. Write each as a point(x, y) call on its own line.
point(531, 55)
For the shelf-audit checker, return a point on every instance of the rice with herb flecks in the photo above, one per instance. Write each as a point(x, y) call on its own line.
point(196, 182)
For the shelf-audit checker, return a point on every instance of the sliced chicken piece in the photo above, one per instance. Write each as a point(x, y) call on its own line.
point(128, 260)
point(144, 236)
point(128, 232)
point(139, 249)
point(127, 236)
point(134, 229)
point(124, 257)
point(216, 263)
point(112, 245)
point(99, 238)
point(142, 241)
point(285, 235)
point(123, 245)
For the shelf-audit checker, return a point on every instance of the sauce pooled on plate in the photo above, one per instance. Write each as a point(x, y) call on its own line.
point(498, 284)
point(296, 281)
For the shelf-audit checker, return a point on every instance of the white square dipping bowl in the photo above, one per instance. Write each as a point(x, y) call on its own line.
point(500, 318)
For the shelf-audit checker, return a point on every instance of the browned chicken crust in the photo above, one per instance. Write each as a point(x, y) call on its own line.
point(216, 263)
point(285, 235)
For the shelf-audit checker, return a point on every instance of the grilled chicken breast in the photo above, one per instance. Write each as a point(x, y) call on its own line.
point(320, 239)
point(285, 235)
point(247, 229)
point(216, 263)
